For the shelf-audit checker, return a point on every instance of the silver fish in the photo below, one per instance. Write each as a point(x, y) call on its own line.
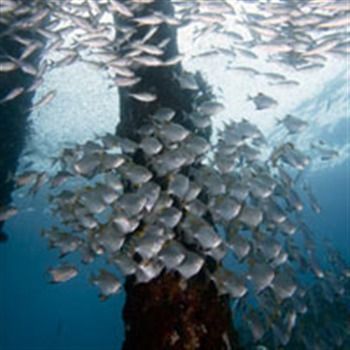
point(124, 263)
point(170, 217)
point(119, 7)
point(210, 108)
point(172, 133)
point(124, 224)
point(240, 245)
point(151, 146)
point(87, 164)
point(261, 275)
point(13, 94)
point(230, 282)
point(283, 286)
point(149, 246)
point(179, 186)
point(151, 191)
point(7, 66)
point(63, 273)
point(148, 270)
point(250, 216)
point(207, 237)
point(224, 208)
point(164, 114)
point(190, 266)
point(110, 239)
point(144, 96)
point(172, 255)
point(255, 325)
point(293, 124)
point(131, 203)
point(262, 101)
point(7, 212)
point(107, 283)
point(137, 174)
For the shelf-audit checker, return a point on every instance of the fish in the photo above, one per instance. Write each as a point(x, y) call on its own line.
point(246, 53)
point(293, 124)
point(312, 199)
point(41, 179)
point(224, 208)
point(149, 246)
point(163, 115)
point(172, 255)
point(251, 216)
point(63, 273)
point(262, 101)
point(283, 286)
point(210, 108)
point(87, 164)
point(179, 186)
point(173, 133)
point(66, 243)
point(240, 245)
point(190, 266)
point(137, 174)
point(231, 283)
point(166, 199)
point(187, 82)
point(7, 212)
point(152, 192)
point(124, 263)
point(7, 66)
point(207, 237)
point(148, 270)
point(325, 151)
point(144, 96)
point(255, 324)
point(148, 61)
point(126, 82)
point(131, 203)
point(334, 22)
point(151, 146)
point(25, 178)
point(248, 70)
point(170, 217)
point(261, 275)
point(13, 94)
point(107, 283)
point(120, 8)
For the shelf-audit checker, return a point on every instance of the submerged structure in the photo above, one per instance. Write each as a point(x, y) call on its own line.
point(207, 237)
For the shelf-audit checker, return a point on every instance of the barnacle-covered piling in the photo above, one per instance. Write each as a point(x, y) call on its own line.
point(168, 312)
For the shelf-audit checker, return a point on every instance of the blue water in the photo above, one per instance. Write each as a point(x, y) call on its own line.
point(36, 315)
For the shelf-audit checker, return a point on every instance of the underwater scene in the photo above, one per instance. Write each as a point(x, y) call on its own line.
point(174, 175)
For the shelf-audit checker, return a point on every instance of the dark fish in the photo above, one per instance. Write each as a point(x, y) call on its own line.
point(262, 101)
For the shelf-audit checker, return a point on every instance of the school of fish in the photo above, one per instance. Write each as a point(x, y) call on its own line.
point(236, 204)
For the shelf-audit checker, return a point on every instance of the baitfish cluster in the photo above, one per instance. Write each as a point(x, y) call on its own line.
point(174, 202)
point(297, 34)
